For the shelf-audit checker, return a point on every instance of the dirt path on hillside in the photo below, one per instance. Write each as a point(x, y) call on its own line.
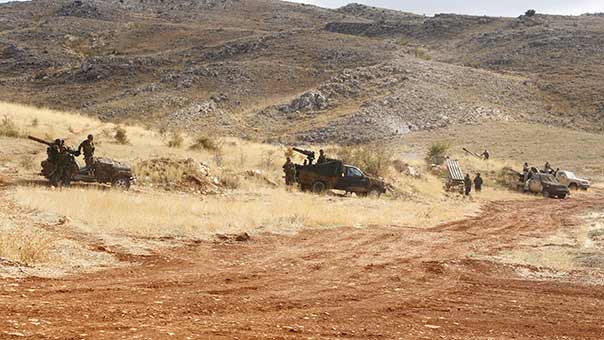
point(380, 283)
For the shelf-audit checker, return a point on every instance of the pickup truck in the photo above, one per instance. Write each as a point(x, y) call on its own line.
point(334, 174)
point(546, 184)
point(569, 179)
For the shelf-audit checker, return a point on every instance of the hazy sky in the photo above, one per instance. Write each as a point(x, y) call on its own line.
point(511, 8)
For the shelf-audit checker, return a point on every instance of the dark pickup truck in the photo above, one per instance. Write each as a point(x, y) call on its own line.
point(334, 174)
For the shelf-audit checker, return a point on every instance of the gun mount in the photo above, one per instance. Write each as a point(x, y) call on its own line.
point(310, 155)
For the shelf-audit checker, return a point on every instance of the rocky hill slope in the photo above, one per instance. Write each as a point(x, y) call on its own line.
point(281, 71)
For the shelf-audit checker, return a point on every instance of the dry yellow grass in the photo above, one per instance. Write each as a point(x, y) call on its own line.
point(264, 210)
point(26, 246)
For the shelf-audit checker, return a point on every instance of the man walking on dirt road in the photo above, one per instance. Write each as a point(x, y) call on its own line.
point(468, 184)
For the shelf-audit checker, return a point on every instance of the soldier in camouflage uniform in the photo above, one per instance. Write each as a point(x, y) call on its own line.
point(289, 168)
point(53, 151)
point(61, 161)
point(322, 159)
point(88, 147)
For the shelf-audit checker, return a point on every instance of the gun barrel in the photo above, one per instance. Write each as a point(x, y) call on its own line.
point(39, 140)
point(304, 152)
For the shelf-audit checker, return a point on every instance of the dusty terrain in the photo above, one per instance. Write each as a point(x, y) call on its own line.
point(158, 263)
point(443, 282)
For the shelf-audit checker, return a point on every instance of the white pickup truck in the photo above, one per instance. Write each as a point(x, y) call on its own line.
point(569, 179)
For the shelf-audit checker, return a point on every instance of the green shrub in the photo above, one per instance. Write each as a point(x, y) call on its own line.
point(530, 13)
point(120, 135)
point(372, 160)
point(8, 128)
point(438, 152)
point(204, 142)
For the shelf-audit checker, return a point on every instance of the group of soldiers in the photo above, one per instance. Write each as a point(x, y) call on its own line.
point(527, 171)
point(289, 168)
point(59, 155)
point(467, 181)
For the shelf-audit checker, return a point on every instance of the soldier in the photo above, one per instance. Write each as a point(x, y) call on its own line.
point(525, 171)
point(547, 168)
point(88, 147)
point(468, 184)
point(478, 183)
point(485, 154)
point(61, 161)
point(322, 159)
point(53, 151)
point(289, 169)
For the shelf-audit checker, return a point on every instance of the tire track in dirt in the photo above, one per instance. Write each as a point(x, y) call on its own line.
point(378, 283)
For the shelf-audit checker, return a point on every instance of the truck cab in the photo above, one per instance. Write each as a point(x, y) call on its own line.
point(352, 180)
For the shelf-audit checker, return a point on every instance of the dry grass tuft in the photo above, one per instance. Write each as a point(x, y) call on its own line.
point(176, 140)
point(205, 143)
point(26, 246)
point(8, 128)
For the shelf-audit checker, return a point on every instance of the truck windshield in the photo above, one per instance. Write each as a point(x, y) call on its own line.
point(570, 175)
point(353, 172)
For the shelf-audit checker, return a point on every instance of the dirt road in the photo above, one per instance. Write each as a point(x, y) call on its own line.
point(379, 283)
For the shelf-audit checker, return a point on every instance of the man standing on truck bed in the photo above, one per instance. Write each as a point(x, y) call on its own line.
point(88, 147)
point(322, 159)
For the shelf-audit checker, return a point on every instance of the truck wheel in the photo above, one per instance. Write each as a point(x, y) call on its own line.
point(546, 194)
point(122, 183)
point(375, 192)
point(562, 196)
point(318, 187)
point(573, 186)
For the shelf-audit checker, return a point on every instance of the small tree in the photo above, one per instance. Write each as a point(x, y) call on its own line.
point(530, 13)
point(120, 135)
point(437, 153)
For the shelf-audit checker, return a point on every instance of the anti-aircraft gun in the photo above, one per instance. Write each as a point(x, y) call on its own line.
point(104, 170)
point(310, 155)
point(76, 153)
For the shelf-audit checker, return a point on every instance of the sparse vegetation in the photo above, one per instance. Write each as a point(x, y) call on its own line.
point(152, 214)
point(8, 128)
point(176, 140)
point(422, 53)
point(268, 159)
point(530, 13)
point(205, 142)
point(437, 152)
point(373, 160)
point(26, 246)
point(120, 135)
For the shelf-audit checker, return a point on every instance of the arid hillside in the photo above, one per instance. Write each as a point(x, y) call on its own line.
point(272, 70)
